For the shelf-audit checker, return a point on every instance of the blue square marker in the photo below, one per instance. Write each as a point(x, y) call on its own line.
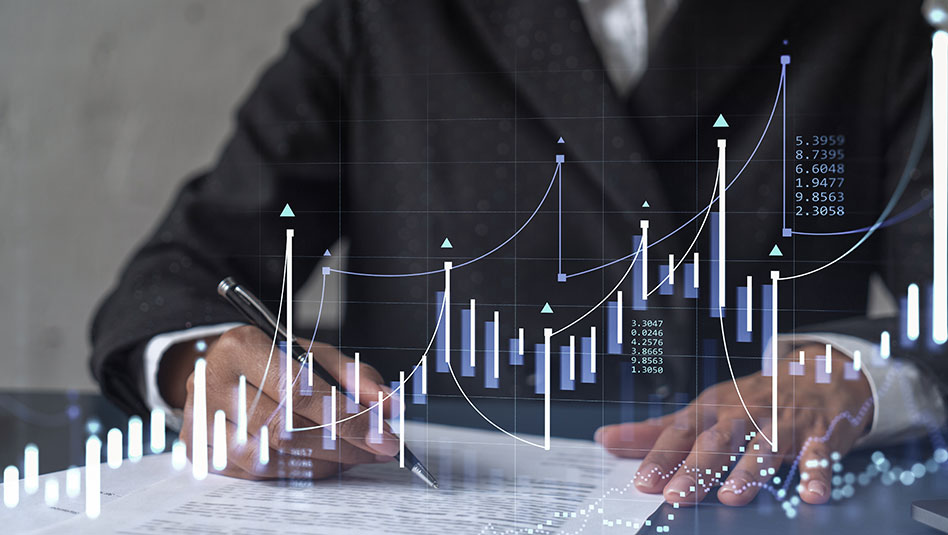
point(561, 277)
point(560, 158)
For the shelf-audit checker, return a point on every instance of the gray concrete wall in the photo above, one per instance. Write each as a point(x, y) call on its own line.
point(105, 106)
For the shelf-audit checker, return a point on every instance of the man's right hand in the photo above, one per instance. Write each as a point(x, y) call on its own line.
point(299, 454)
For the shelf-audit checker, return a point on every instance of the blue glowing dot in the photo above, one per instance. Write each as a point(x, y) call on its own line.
point(201, 346)
point(93, 426)
point(907, 478)
point(941, 455)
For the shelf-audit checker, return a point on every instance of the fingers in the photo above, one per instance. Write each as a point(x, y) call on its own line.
point(815, 472)
point(343, 369)
point(757, 466)
point(703, 468)
point(633, 439)
point(666, 456)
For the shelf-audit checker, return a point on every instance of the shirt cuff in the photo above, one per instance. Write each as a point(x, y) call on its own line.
point(905, 402)
point(155, 349)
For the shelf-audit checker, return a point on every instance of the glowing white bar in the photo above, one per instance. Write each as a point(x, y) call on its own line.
point(592, 349)
point(496, 344)
point(829, 359)
point(473, 331)
point(447, 312)
point(332, 408)
point(885, 345)
point(30, 469)
point(157, 432)
point(913, 326)
point(51, 492)
point(135, 439)
point(242, 410)
point(572, 358)
point(179, 455)
point(520, 341)
point(547, 335)
point(802, 357)
point(199, 421)
point(358, 364)
point(619, 317)
point(11, 486)
point(219, 455)
point(93, 481)
point(722, 188)
point(774, 366)
point(264, 445)
point(309, 364)
point(750, 304)
point(694, 272)
point(644, 225)
point(73, 481)
point(940, 186)
point(401, 419)
point(857, 360)
point(288, 359)
point(381, 418)
point(113, 448)
point(671, 269)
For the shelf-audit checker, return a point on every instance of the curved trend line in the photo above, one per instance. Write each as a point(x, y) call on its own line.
point(730, 368)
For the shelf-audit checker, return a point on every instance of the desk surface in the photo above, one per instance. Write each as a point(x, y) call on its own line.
point(57, 422)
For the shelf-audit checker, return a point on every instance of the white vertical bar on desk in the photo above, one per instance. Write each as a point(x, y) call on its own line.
point(828, 363)
point(358, 364)
point(671, 269)
point(135, 439)
point(51, 492)
point(93, 480)
point(750, 304)
point(857, 360)
point(157, 425)
point(913, 325)
point(447, 311)
point(113, 448)
point(496, 344)
point(722, 215)
point(241, 410)
point(179, 455)
point(547, 335)
point(802, 357)
point(885, 345)
point(332, 407)
point(644, 225)
point(694, 273)
point(520, 340)
point(940, 186)
point(288, 357)
point(619, 317)
point(572, 358)
point(381, 418)
point(199, 421)
point(219, 454)
point(473, 331)
point(73, 481)
point(30, 469)
point(11, 486)
point(264, 445)
point(401, 419)
point(774, 368)
point(592, 349)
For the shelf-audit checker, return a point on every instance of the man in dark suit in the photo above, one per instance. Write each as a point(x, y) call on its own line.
point(396, 124)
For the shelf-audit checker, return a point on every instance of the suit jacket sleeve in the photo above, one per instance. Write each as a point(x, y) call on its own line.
point(286, 148)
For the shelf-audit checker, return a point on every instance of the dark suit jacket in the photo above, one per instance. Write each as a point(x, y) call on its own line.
point(395, 124)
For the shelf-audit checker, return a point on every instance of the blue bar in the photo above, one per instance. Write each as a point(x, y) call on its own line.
point(665, 288)
point(636, 294)
point(565, 382)
point(715, 301)
point(587, 376)
point(766, 326)
point(539, 369)
point(440, 365)
point(351, 407)
point(516, 359)
point(465, 357)
point(903, 323)
point(417, 397)
point(742, 334)
point(328, 442)
point(689, 283)
point(612, 346)
point(489, 380)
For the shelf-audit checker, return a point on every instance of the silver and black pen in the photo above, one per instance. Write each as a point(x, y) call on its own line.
point(258, 314)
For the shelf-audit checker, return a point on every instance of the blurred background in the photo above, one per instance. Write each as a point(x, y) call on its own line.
point(105, 107)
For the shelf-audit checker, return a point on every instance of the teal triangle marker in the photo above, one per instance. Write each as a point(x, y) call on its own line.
point(720, 122)
point(446, 244)
point(645, 205)
point(775, 251)
point(327, 253)
point(547, 309)
point(287, 211)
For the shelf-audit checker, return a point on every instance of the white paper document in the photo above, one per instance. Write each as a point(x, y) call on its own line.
point(490, 484)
